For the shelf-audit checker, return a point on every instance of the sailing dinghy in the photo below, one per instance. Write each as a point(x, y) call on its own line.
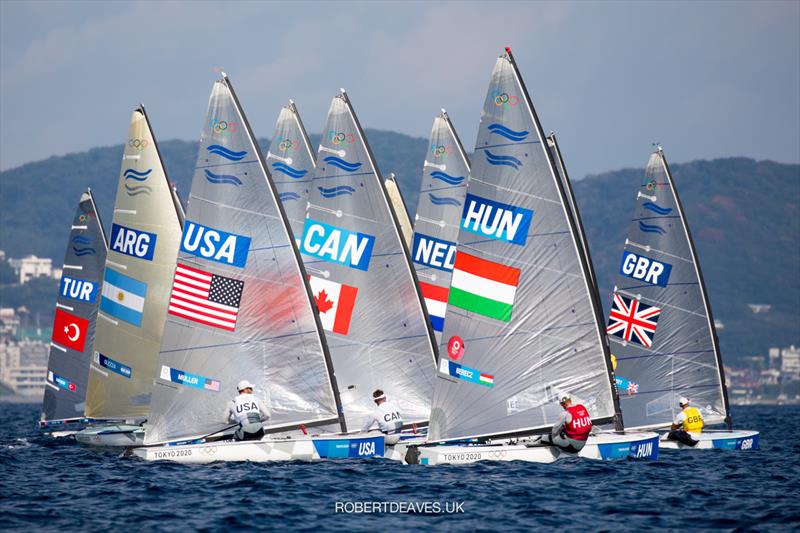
point(523, 324)
point(143, 247)
point(74, 323)
point(660, 324)
point(241, 308)
point(438, 217)
point(362, 279)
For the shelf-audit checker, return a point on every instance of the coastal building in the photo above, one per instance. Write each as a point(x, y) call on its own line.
point(23, 366)
point(790, 361)
point(32, 267)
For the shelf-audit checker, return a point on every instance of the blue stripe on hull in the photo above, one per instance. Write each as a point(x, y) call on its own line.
point(341, 448)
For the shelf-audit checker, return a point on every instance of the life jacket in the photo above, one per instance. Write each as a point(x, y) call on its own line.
point(694, 420)
point(389, 418)
point(581, 424)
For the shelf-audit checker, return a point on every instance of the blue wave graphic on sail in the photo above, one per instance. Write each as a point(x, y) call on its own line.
point(502, 160)
point(333, 192)
point(80, 239)
point(80, 252)
point(226, 153)
point(136, 190)
point(131, 174)
point(651, 228)
point(342, 164)
point(443, 200)
point(289, 171)
point(222, 179)
point(655, 208)
point(447, 178)
point(508, 133)
point(284, 196)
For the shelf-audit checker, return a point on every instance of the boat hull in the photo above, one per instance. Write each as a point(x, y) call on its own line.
point(603, 446)
point(719, 440)
point(111, 436)
point(266, 450)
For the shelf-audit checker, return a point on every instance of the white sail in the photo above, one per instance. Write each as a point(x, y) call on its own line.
point(143, 246)
point(362, 278)
point(239, 304)
point(523, 324)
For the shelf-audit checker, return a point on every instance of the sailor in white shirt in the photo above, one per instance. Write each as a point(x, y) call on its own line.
point(387, 416)
point(247, 411)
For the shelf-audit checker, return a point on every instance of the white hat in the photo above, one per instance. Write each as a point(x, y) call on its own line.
point(565, 398)
point(244, 384)
point(683, 400)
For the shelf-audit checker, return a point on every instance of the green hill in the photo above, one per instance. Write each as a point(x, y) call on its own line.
point(743, 214)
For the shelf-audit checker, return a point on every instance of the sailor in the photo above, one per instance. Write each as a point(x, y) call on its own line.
point(688, 421)
point(246, 410)
point(572, 427)
point(387, 416)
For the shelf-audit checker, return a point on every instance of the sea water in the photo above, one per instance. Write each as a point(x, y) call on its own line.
point(56, 484)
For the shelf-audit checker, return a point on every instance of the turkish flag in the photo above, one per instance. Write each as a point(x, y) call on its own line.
point(70, 330)
point(335, 302)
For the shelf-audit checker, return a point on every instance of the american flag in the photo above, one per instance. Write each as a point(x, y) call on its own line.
point(205, 297)
point(632, 320)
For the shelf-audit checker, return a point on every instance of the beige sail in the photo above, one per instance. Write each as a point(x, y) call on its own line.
point(143, 248)
point(400, 208)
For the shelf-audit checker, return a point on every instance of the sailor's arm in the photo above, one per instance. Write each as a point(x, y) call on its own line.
point(229, 412)
point(368, 424)
point(263, 411)
point(563, 418)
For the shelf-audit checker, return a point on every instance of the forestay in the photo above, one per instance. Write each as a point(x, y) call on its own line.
point(522, 323)
point(438, 217)
point(291, 162)
point(239, 305)
point(143, 246)
point(660, 324)
point(362, 279)
point(76, 312)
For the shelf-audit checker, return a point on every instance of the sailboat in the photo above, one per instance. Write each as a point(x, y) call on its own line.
point(260, 325)
point(74, 322)
point(438, 217)
point(143, 246)
point(291, 161)
point(523, 324)
point(362, 279)
point(660, 324)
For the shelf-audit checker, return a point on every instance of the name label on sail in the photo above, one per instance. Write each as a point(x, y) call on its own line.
point(78, 289)
point(115, 366)
point(215, 245)
point(337, 245)
point(496, 220)
point(645, 269)
point(133, 242)
point(433, 252)
point(190, 380)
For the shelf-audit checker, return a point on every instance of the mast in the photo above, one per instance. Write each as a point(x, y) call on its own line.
point(302, 128)
point(398, 232)
point(578, 239)
point(703, 291)
point(279, 207)
point(587, 257)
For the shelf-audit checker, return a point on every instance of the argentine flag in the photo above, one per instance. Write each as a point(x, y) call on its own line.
point(123, 297)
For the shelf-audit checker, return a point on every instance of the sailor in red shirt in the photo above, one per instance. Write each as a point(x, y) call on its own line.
point(571, 429)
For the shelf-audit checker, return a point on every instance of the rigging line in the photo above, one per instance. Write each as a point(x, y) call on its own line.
point(337, 176)
point(659, 354)
point(513, 191)
point(506, 144)
point(663, 305)
point(438, 223)
point(348, 215)
point(268, 216)
point(683, 387)
point(445, 188)
point(237, 342)
point(231, 164)
point(650, 286)
point(298, 182)
point(649, 248)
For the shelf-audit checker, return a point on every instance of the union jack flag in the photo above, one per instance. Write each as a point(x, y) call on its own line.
point(632, 320)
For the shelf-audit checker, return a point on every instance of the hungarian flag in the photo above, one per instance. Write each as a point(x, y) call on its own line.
point(435, 303)
point(483, 287)
point(69, 330)
point(335, 302)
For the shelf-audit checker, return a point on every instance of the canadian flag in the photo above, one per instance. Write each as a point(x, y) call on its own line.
point(335, 302)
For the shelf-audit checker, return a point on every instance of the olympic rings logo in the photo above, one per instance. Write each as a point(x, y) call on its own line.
point(284, 144)
point(439, 151)
point(223, 127)
point(84, 217)
point(653, 185)
point(338, 137)
point(505, 100)
point(138, 144)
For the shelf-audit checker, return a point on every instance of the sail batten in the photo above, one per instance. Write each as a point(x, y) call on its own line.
point(522, 325)
point(252, 317)
point(660, 323)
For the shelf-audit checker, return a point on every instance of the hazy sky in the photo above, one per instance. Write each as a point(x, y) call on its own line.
point(706, 79)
